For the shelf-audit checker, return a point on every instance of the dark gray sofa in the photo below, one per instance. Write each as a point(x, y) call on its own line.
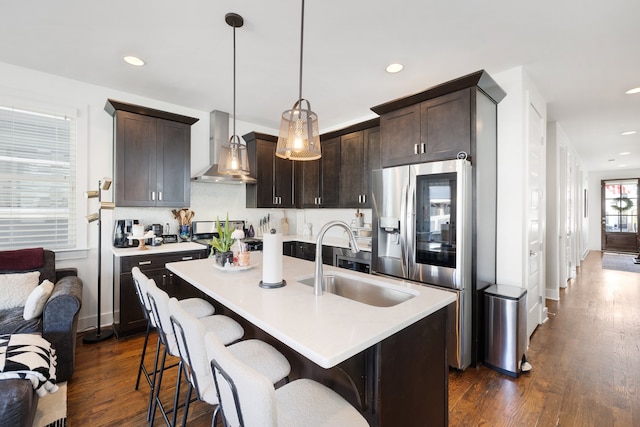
point(58, 325)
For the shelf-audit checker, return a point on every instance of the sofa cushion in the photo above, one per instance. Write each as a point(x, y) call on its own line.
point(15, 288)
point(36, 300)
point(12, 322)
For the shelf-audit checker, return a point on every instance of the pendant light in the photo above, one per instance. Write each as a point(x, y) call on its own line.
point(299, 138)
point(234, 160)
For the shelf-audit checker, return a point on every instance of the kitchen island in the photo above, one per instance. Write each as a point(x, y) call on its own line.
point(390, 362)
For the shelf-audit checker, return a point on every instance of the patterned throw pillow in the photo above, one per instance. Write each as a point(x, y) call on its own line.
point(37, 299)
point(15, 288)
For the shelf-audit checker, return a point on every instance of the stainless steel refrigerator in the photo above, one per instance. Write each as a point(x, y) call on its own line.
point(422, 231)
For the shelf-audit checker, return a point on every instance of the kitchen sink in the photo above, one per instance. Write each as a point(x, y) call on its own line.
point(366, 291)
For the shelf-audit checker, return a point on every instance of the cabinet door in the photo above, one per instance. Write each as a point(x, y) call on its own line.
point(135, 147)
point(131, 319)
point(352, 168)
point(283, 181)
point(372, 161)
point(265, 152)
point(308, 179)
point(173, 164)
point(330, 173)
point(400, 133)
point(446, 125)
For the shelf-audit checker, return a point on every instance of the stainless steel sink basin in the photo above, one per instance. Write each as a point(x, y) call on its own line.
point(366, 291)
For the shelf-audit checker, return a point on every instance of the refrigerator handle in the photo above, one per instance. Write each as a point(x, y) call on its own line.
point(403, 230)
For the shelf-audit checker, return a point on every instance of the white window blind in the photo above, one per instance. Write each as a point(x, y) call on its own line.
point(37, 179)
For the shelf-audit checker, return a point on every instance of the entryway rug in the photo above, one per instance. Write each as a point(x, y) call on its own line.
point(52, 409)
point(620, 262)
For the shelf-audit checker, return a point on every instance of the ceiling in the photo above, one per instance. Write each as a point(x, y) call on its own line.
point(578, 54)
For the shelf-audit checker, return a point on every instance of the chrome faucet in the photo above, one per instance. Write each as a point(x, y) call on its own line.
point(318, 279)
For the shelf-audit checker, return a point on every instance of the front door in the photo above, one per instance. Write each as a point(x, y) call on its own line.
point(620, 215)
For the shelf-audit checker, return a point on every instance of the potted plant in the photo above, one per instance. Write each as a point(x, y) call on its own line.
point(221, 245)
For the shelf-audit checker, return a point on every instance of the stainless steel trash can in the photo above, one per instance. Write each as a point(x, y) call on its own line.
point(505, 328)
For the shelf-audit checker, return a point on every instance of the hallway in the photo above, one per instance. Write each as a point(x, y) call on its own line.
point(586, 362)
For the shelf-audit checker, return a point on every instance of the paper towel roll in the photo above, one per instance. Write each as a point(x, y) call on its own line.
point(272, 259)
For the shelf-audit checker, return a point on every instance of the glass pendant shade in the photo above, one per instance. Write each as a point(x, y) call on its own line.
point(234, 159)
point(299, 138)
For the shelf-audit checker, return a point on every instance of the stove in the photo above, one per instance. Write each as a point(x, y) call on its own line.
point(203, 231)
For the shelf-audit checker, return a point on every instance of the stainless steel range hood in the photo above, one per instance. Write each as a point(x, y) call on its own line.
point(218, 135)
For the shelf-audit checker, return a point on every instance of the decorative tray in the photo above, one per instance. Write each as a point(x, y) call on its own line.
point(234, 268)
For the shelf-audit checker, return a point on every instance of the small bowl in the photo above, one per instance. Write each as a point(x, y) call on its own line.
point(364, 232)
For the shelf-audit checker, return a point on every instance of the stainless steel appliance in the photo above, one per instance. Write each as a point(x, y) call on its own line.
point(122, 229)
point(422, 231)
point(344, 258)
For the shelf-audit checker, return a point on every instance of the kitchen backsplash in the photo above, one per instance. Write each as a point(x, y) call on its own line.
point(210, 201)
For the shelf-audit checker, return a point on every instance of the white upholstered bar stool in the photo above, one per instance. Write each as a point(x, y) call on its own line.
point(197, 306)
point(248, 399)
point(190, 331)
point(228, 331)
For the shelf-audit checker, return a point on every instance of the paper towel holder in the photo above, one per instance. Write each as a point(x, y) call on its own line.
point(273, 285)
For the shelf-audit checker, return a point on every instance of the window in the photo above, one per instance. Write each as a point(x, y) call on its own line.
point(621, 206)
point(37, 179)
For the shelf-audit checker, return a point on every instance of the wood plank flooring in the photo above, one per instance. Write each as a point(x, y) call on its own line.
point(586, 369)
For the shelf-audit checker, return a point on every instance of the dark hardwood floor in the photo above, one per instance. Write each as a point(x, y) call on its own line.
point(586, 368)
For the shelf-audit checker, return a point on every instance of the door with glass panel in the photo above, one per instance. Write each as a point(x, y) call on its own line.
point(620, 215)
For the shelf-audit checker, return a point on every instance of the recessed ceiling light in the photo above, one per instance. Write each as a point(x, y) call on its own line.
point(632, 91)
point(394, 68)
point(622, 166)
point(624, 153)
point(630, 132)
point(133, 60)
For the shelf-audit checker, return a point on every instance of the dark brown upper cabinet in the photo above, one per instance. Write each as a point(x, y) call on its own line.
point(152, 153)
point(359, 155)
point(436, 124)
point(318, 181)
point(274, 175)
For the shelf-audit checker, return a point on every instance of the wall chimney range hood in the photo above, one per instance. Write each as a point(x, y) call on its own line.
point(219, 135)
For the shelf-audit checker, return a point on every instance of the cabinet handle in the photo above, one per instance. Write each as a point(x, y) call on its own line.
point(144, 263)
point(364, 198)
point(279, 200)
point(423, 148)
point(153, 195)
point(160, 195)
point(187, 258)
point(164, 280)
point(415, 149)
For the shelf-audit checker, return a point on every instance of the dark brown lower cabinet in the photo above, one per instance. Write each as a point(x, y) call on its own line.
point(128, 318)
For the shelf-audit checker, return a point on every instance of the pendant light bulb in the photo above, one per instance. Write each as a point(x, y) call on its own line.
point(299, 137)
point(235, 153)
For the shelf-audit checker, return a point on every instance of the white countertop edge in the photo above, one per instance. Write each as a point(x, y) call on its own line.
point(154, 250)
point(421, 306)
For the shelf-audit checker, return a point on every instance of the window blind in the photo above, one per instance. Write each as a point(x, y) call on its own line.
point(37, 179)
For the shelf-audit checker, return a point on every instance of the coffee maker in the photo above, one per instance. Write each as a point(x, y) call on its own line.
point(122, 229)
point(156, 229)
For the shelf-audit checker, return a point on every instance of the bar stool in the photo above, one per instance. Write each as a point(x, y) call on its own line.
point(190, 331)
point(248, 399)
point(228, 331)
point(197, 306)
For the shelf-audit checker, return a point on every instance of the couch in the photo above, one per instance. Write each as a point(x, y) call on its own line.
point(58, 324)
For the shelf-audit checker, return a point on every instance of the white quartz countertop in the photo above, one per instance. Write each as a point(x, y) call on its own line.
point(327, 329)
point(153, 250)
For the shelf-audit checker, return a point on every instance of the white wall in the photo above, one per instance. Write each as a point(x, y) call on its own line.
point(595, 201)
point(512, 251)
point(561, 155)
